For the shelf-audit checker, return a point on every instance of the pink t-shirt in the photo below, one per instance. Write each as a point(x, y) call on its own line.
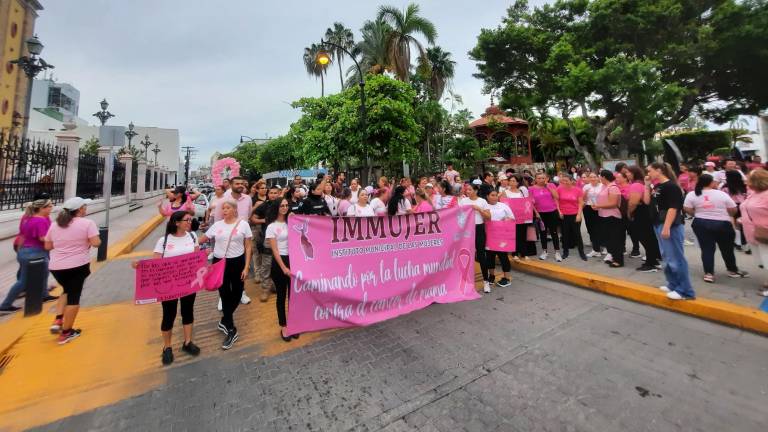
point(244, 205)
point(624, 190)
point(712, 204)
point(343, 207)
point(71, 247)
point(216, 205)
point(635, 187)
point(684, 181)
point(602, 199)
point(32, 229)
point(167, 210)
point(754, 212)
point(569, 199)
point(423, 207)
point(542, 198)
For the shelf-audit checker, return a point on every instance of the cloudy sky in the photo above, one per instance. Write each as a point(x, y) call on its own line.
point(216, 73)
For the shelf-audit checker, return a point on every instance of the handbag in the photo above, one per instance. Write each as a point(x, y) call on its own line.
point(761, 233)
point(214, 277)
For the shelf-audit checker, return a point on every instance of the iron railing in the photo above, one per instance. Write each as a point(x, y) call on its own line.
point(118, 177)
point(90, 176)
point(134, 175)
point(148, 180)
point(28, 168)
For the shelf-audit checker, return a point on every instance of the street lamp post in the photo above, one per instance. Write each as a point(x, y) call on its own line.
point(103, 116)
point(146, 143)
point(130, 133)
point(156, 150)
point(323, 58)
point(246, 136)
point(31, 65)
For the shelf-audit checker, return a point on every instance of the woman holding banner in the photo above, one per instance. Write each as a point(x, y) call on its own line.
point(481, 213)
point(525, 234)
point(570, 201)
point(178, 240)
point(232, 243)
point(423, 203)
point(361, 207)
point(277, 236)
point(499, 212)
point(399, 204)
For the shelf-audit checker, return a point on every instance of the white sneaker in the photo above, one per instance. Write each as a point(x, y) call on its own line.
point(674, 295)
point(764, 293)
point(244, 299)
point(608, 258)
point(543, 256)
point(687, 242)
point(558, 258)
point(593, 254)
point(665, 288)
point(219, 307)
point(486, 287)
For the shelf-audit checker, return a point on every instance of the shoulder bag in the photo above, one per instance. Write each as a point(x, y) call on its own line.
point(214, 277)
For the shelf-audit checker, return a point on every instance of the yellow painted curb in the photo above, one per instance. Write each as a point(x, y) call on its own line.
point(130, 241)
point(723, 312)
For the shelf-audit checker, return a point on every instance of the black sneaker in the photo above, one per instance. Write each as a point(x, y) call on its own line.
point(503, 282)
point(583, 256)
point(50, 298)
point(635, 254)
point(68, 336)
point(230, 340)
point(647, 269)
point(223, 328)
point(190, 348)
point(10, 308)
point(167, 356)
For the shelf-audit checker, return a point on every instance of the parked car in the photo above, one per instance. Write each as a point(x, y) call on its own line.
point(201, 207)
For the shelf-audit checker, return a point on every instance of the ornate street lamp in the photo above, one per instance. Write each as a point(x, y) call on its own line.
point(103, 115)
point(146, 143)
point(31, 65)
point(156, 150)
point(130, 133)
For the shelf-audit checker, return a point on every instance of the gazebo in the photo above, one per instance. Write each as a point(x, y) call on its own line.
point(495, 125)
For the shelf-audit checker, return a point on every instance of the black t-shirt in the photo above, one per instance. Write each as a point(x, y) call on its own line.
point(665, 196)
point(314, 205)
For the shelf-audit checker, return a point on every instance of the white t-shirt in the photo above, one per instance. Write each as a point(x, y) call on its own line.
point(333, 204)
point(712, 204)
point(358, 211)
point(720, 176)
point(403, 206)
point(482, 203)
point(176, 246)
point(591, 193)
point(378, 206)
point(500, 211)
point(220, 232)
point(521, 193)
point(279, 231)
point(353, 197)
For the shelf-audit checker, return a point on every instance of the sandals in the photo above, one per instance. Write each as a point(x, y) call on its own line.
point(708, 278)
point(614, 264)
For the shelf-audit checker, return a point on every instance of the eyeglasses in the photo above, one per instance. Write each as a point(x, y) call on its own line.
point(186, 220)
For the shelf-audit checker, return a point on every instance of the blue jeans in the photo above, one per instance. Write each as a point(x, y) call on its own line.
point(24, 256)
point(675, 264)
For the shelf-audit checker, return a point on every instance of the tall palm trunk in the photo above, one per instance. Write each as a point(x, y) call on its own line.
point(341, 78)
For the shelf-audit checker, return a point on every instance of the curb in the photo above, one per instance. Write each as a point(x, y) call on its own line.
point(130, 241)
point(713, 310)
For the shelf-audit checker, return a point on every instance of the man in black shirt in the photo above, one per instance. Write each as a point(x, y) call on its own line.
point(487, 186)
point(264, 261)
point(314, 204)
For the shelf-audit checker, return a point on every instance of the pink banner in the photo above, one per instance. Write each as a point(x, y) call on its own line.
point(500, 235)
point(522, 208)
point(162, 279)
point(359, 271)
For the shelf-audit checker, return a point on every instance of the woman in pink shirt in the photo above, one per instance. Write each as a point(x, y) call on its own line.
point(754, 214)
point(622, 181)
point(423, 204)
point(544, 196)
point(611, 225)
point(639, 219)
point(570, 202)
point(70, 241)
point(178, 199)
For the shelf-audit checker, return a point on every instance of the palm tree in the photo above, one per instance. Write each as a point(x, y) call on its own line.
point(342, 37)
point(371, 50)
point(314, 68)
point(442, 69)
point(405, 24)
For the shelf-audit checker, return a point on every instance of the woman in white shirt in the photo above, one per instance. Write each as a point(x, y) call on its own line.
point(178, 240)
point(378, 204)
point(481, 213)
point(361, 207)
point(277, 235)
point(591, 190)
point(354, 187)
point(232, 242)
point(524, 248)
point(499, 212)
point(399, 204)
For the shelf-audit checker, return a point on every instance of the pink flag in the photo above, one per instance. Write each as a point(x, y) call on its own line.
point(522, 208)
point(162, 279)
point(362, 270)
point(500, 235)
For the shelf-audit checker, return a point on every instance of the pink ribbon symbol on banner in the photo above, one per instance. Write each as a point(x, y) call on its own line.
point(199, 278)
point(465, 258)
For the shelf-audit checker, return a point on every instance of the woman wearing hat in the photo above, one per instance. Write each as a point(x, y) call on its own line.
point(32, 229)
point(70, 241)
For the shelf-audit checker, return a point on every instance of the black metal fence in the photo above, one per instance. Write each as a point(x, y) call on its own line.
point(134, 176)
point(28, 168)
point(148, 180)
point(90, 176)
point(118, 177)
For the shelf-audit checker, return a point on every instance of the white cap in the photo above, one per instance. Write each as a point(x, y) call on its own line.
point(477, 182)
point(75, 203)
point(709, 164)
point(502, 177)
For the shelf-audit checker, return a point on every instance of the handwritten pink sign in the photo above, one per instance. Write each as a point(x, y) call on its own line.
point(500, 235)
point(522, 208)
point(162, 279)
point(359, 271)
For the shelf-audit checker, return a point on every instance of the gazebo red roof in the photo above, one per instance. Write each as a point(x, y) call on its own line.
point(494, 112)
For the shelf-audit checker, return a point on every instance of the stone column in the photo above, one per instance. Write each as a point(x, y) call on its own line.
point(106, 154)
point(72, 144)
point(126, 159)
point(141, 186)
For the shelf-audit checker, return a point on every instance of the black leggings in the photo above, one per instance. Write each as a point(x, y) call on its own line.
point(72, 281)
point(615, 235)
point(282, 285)
point(491, 259)
point(632, 236)
point(231, 290)
point(480, 249)
point(551, 221)
point(572, 233)
point(592, 220)
point(187, 312)
point(524, 247)
point(643, 230)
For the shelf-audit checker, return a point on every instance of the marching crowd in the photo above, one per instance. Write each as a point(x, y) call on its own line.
point(246, 227)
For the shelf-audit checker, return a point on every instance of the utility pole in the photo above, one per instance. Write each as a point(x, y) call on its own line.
point(189, 152)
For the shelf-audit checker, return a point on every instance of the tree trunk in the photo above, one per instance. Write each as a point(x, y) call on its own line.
point(341, 78)
point(578, 146)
